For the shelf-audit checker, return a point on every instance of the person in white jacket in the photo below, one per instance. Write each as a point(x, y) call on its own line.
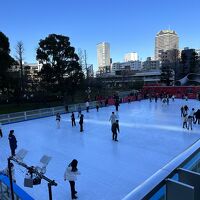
point(70, 174)
point(87, 105)
point(113, 118)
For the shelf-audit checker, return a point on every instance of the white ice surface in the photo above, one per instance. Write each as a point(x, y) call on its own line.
point(150, 136)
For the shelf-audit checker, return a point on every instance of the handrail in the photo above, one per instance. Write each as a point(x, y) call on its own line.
point(143, 190)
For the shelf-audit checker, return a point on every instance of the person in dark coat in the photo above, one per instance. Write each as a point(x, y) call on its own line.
point(197, 115)
point(115, 129)
point(81, 122)
point(12, 142)
point(73, 119)
point(97, 106)
point(106, 102)
point(116, 105)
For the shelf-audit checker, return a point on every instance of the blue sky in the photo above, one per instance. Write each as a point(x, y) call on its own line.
point(128, 25)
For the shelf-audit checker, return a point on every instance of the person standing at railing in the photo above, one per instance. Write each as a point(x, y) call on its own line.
point(12, 142)
point(58, 117)
point(73, 119)
point(87, 106)
point(97, 106)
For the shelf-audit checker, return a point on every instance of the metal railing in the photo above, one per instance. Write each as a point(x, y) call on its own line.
point(39, 113)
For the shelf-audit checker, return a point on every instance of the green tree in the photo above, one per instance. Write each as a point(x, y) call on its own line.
point(6, 61)
point(61, 70)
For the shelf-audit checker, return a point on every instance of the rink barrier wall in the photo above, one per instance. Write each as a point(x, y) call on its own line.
point(148, 189)
point(19, 194)
point(41, 113)
point(47, 112)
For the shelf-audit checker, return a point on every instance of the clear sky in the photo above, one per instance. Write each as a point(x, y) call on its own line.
point(128, 25)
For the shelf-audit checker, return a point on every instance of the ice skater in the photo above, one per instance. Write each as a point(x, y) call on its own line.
point(13, 142)
point(97, 106)
point(58, 117)
point(185, 120)
point(197, 115)
point(81, 122)
point(164, 101)
point(73, 119)
point(167, 99)
point(115, 129)
point(173, 97)
point(186, 109)
point(70, 174)
point(117, 105)
point(156, 99)
point(113, 118)
point(87, 106)
point(182, 111)
point(192, 114)
point(190, 122)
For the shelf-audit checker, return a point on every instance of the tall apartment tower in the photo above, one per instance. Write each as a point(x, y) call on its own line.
point(165, 40)
point(103, 56)
point(133, 56)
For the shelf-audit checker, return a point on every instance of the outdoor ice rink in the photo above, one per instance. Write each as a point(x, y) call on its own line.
point(150, 136)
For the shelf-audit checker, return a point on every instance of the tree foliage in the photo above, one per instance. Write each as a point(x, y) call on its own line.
point(60, 67)
point(6, 61)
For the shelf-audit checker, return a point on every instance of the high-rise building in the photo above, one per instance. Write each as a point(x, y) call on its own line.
point(165, 40)
point(133, 56)
point(103, 56)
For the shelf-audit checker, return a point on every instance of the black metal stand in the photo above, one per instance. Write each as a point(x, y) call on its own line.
point(10, 178)
point(32, 171)
point(50, 191)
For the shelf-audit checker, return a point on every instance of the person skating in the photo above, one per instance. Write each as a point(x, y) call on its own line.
point(13, 142)
point(115, 129)
point(87, 106)
point(197, 115)
point(81, 122)
point(70, 174)
point(116, 105)
point(167, 99)
point(113, 118)
point(156, 98)
point(73, 119)
point(186, 109)
point(97, 106)
point(106, 102)
point(58, 117)
point(185, 120)
point(182, 111)
point(190, 122)
point(192, 114)
point(173, 97)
